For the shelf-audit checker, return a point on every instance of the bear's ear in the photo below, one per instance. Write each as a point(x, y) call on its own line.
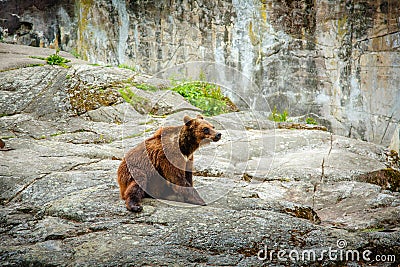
point(187, 120)
point(200, 117)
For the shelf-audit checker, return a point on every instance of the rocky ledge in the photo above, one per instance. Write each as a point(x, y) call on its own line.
point(300, 191)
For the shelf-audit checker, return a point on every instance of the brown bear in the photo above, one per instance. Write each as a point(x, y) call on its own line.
point(161, 166)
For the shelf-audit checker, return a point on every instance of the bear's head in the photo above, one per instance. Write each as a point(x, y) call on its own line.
point(200, 130)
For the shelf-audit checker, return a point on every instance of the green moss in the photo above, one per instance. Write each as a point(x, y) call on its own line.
point(137, 102)
point(85, 98)
point(7, 137)
point(35, 65)
point(102, 140)
point(342, 26)
point(371, 230)
point(124, 66)
point(57, 133)
point(146, 87)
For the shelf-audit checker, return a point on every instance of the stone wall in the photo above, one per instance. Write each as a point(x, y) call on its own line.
point(337, 59)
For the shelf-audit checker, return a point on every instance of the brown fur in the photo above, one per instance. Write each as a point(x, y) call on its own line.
point(161, 166)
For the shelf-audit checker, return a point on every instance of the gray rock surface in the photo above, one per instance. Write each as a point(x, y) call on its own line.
point(337, 59)
point(281, 188)
point(19, 56)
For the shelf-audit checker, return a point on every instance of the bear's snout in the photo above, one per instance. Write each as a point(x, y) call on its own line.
point(217, 137)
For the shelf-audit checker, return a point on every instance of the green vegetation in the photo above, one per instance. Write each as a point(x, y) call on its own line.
point(129, 96)
point(278, 117)
point(206, 96)
point(56, 59)
point(124, 66)
point(37, 57)
point(145, 87)
point(35, 65)
point(201, 94)
point(310, 120)
point(137, 102)
point(371, 230)
point(7, 137)
point(57, 133)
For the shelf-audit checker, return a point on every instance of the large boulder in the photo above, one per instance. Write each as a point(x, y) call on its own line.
point(266, 189)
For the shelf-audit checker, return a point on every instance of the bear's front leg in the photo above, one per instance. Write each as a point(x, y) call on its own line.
point(189, 171)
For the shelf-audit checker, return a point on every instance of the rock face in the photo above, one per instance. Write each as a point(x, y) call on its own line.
point(336, 59)
point(266, 188)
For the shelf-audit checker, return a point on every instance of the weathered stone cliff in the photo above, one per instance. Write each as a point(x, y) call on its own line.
point(66, 129)
point(337, 59)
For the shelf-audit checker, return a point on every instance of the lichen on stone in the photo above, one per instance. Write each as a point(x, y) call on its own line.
point(84, 97)
point(304, 213)
point(388, 179)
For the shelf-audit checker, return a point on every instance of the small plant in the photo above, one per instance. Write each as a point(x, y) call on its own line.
point(310, 120)
point(56, 59)
point(278, 117)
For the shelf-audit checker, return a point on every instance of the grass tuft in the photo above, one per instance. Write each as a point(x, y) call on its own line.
point(56, 59)
point(278, 117)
